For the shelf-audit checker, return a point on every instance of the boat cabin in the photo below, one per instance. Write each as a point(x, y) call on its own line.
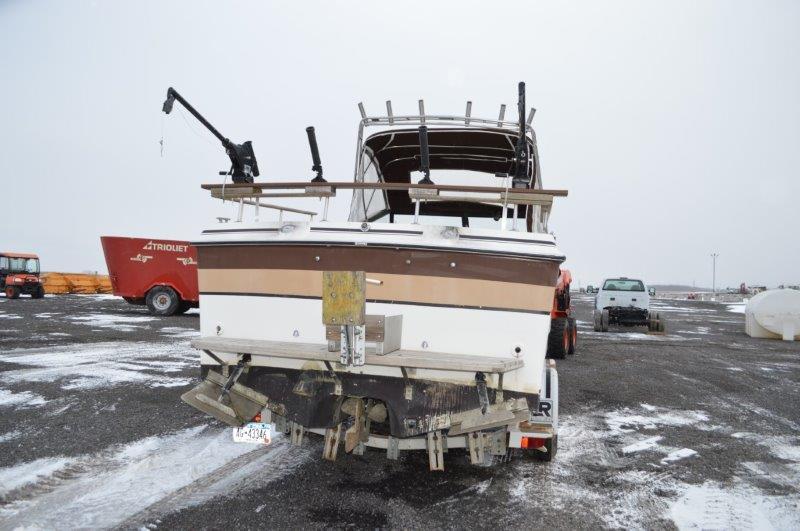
point(464, 156)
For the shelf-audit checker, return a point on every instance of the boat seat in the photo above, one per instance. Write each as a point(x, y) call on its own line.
point(399, 358)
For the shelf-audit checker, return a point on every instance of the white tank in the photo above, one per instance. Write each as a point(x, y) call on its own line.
point(774, 314)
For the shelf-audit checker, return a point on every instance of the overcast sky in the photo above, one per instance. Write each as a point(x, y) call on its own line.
point(674, 125)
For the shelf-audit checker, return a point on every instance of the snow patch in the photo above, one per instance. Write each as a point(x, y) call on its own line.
point(103, 297)
point(98, 365)
point(677, 455)
point(23, 399)
point(18, 476)
point(123, 323)
point(645, 444)
point(713, 506)
point(10, 436)
point(177, 331)
point(627, 421)
point(737, 308)
point(160, 473)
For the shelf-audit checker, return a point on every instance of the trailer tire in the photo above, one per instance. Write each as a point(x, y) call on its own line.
point(12, 292)
point(552, 448)
point(162, 300)
point(559, 339)
point(604, 318)
point(661, 325)
point(573, 335)
point(38, 293)
point(598, 326)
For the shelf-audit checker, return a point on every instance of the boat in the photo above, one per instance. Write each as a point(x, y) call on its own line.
point(420, 322)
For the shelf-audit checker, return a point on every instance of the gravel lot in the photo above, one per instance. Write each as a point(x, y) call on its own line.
point(698, 428)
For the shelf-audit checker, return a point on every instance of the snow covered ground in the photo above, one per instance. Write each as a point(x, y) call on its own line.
point(697, 429)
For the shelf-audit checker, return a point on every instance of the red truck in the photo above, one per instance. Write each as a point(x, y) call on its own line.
point(159, 273)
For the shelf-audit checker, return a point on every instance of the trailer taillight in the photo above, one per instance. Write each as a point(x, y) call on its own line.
point(529, 443)
point(257, 418)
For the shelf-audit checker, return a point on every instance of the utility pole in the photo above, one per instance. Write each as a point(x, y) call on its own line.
point(714, 274)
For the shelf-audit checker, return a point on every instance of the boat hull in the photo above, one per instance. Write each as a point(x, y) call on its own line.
point(459, 291)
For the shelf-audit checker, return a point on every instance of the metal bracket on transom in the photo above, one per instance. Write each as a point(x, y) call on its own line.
point(297, 433)
point(332, 438)
point(408, 389)
point(392, 448)
point(435, 450)
point(498, 397)
point(476, 455)
point(337, 386)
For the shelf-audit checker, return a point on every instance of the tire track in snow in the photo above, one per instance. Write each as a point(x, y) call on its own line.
point(144, 478)
point(252, 470)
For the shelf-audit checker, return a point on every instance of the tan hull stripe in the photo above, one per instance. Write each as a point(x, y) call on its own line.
point(440, 263)
point(399, 288)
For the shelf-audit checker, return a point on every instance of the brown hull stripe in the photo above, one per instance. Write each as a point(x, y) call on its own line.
point(416, 289)
point(396, 261)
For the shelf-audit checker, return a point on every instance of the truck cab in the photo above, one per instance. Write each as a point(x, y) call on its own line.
point(19, 275)
point(625, 301)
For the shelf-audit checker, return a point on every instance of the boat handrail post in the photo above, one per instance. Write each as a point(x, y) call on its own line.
point(280, 215)
point(389, 111)
point(257, 207)
point(324, 209)
point(240, 214)
point(359, 141)
point(416, 211)
point(468, 113)
point(421, 112)
point(504, 217)
point(502, 115)
point(514, 221)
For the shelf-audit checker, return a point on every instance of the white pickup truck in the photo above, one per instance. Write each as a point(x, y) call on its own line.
point(625, 302)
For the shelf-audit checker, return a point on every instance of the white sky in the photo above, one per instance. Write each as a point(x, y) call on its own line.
point(674, 125)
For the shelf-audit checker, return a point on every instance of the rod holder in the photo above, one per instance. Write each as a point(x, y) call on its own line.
point(530, 115)
point(421, 112)
point(521, 155)
point(317, 167)
point(362, 111)
point(468, 113)
point(424, 155)
point(502, 115)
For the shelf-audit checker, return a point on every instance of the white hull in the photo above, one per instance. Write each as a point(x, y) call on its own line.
point(456, 330)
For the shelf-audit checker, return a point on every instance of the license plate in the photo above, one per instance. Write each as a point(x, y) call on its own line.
point(253, 433)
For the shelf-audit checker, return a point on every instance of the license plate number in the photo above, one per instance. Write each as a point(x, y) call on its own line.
point(253, 433)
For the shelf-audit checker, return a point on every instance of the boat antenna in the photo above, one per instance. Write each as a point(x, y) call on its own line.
point(521, 155)
point(424, 156)
point(243, 160)
point(317, 167)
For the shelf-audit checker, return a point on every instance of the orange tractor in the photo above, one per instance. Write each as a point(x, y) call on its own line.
point(563, 336)
point(19, 274)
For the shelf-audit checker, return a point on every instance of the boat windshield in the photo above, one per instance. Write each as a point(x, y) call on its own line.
point(468, 157)
point(622, 284)
point(369, 204)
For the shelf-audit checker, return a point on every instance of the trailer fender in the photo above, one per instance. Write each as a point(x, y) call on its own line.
point(543, 422)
